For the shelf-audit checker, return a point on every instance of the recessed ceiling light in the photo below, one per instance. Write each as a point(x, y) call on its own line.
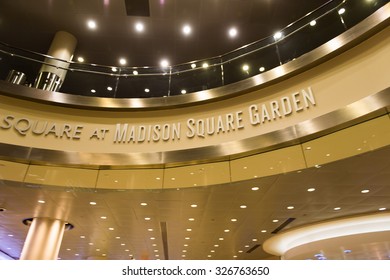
point(243, 206)
point(261, 69)
point(10, 235)
point(92, 203)
point(187, 29)
point(255, 188)
point(347, 251)
point(233, 32)
point(205, 65)
point(337, 208)
point(254, 239)
point(191, 219)
point(194, 205)
point(233, 220)
point(193, 65)
point(143, 204)
point(278, 35)
point(164, 63)
point(382, 209)
point(263, 231)
point(221, 238)
point(290, 207)
point(41, 201)
point(111, 228)
point(114, 69)
point(187, 238)
point(103, 217)
point(158, 178)
point(227, 230)
point(275, 221)
point(135, 72)
point(173, 179)
point(117, 237)
point(91, 24)
point(122, 61)
point(311, 189)
point(341, 11)
point(139, 27)
point(150, 229)
point(80, 59)
point(245, 67)
point(148, 90)
point(110, 89)
point(241, 251)
point(313, 23)
point(152, 238)
point(183, 91)
point(216, 245)
point(189, 229)
point(365, 191)
point(123, 244)
point(93, 90)
point(185, 245)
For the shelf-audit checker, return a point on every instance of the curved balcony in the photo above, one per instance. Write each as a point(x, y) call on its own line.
point(254, 65)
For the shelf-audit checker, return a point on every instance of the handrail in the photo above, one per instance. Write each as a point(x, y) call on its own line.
point(219, 63)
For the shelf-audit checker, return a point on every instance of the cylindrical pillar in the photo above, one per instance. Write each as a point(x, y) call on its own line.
point(52, 73)
point(43, 239)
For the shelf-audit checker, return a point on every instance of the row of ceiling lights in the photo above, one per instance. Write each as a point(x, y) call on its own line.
point(93, 203)
point(186, 30)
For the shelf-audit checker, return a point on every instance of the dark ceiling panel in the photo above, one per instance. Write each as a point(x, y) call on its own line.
point(137, 8)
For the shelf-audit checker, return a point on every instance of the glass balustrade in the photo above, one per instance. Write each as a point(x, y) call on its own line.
point(20, 66)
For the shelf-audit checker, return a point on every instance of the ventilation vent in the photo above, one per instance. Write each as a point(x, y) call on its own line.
point(253, 248)
point(282, 226)
point(139, 8)
point(164, 237)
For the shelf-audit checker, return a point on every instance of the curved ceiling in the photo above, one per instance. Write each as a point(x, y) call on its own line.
point(115, 34)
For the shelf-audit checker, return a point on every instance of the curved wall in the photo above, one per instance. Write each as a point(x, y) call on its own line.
point(226, 128)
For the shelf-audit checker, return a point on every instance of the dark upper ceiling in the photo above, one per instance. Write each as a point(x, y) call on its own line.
point(32, 25)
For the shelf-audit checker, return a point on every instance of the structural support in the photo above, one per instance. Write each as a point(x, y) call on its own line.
point(43, 239)
point(53, 71)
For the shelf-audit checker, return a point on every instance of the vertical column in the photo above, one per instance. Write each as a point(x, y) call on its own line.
point(52, 73)
point(43, 239)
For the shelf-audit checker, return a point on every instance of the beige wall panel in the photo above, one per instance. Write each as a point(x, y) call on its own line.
point(352, 141)
point(130, 179)
point(12, 171)
point(61, 176)
point(266, 164)
point(197, 175)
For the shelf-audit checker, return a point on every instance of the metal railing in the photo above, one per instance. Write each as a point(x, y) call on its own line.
point(22, 66)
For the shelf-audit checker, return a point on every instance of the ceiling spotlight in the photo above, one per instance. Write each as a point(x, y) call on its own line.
point(337, 208)
point(233, 32)
point(183, 91)
point(41, 201)
point(147, 90)
point(114, 69)
point(164, 63)
point(139, 27)
point(93, 90)
point(243, 206)
point(275, 221)
point(135, 72)
point(365, 191)
point(233, 220)
point(311, 189)
point(290, 207)
point(341, 11)
point(143, 204)
point(193, 65)
point(261, 69)
point(245, 67)
point(194, 205)
point(93, 203)
point(205, 65)
point(187, 29)
point(80, 59)
point(122, 61)
point(278, 35)
point(91, 24)
point(109, 88)
point(255, 188)
point(313, 22)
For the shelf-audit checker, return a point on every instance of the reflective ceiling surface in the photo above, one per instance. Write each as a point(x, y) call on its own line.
point(32, 25)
